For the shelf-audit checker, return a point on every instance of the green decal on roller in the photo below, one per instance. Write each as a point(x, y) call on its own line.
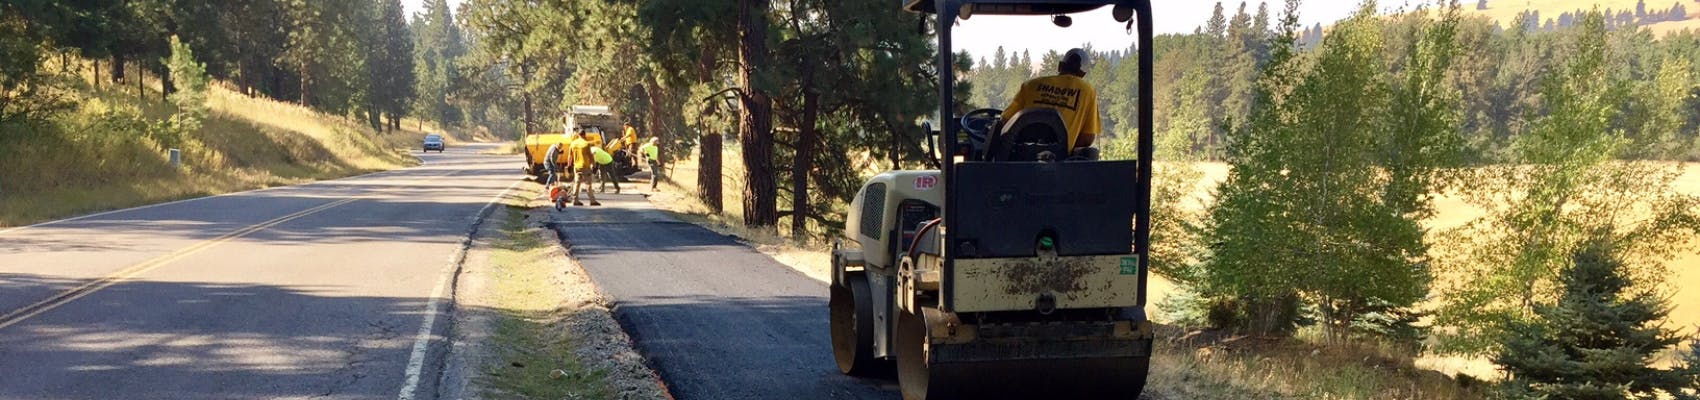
point(1130, 265)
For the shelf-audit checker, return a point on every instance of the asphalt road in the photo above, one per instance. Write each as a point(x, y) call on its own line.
point(313, 291)
point(713, 317)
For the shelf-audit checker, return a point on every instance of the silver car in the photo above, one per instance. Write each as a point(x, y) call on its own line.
point(434, 142)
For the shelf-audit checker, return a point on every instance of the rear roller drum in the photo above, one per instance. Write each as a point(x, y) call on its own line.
point(853, 327)
point(917, 377)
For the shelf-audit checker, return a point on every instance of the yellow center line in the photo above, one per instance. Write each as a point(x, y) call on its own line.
point(69, 295)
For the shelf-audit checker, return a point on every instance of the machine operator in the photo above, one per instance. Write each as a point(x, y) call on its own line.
point(1069, 94)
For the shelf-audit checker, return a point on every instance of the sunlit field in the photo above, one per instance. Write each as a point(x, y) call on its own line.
point(1505, 11)
point(1454, 211)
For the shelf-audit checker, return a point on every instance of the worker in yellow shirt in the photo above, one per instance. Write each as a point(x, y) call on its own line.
point(1069, 94)
point(584, 167)
point(651, 152)
point(628, 137)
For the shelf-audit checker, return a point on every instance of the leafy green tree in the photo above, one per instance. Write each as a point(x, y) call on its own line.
point(1563, 182)
point(1659, 105)
point(1330, 179)
point(1597, 341)
point(23, 91)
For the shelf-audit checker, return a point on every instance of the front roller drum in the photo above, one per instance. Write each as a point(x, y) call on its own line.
point(852, 322)
point(922, 377)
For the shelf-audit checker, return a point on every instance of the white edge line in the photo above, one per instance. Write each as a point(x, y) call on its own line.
point(108, 212)
point(422, 341)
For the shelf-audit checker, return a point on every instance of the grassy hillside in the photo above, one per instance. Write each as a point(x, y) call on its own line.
point(110, 151)
point(1505, 11)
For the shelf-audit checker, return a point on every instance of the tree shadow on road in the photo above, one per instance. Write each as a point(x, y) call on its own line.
point(189, 340)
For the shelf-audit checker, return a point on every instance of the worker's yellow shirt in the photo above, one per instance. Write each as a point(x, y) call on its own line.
point(629, 139)
point(1070, 95)
point(582, 158)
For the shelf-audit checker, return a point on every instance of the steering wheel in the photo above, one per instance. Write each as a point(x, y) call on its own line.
point(979, 124)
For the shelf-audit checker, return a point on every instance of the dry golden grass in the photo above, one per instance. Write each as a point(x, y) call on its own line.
point(1505, 11)
point(1196, 366)
point(110, 152)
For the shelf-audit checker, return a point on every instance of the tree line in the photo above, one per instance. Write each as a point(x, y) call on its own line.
point(356, 58)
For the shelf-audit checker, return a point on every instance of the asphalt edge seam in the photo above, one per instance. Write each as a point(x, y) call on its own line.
point(609, 304)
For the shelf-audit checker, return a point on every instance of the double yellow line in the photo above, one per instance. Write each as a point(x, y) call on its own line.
point(69, 295)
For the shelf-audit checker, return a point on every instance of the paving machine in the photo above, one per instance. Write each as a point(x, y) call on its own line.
point(1012, 271)
point(584, 117)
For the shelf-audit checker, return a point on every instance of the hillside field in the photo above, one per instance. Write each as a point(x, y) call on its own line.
point(1505, 11)
point(110, 150)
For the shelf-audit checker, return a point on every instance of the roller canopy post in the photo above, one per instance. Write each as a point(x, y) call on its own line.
point(1142, 226)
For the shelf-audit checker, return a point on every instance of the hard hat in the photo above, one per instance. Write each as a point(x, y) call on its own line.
point(1078, 56)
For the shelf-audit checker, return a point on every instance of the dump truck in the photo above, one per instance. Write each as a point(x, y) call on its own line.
point(583, 117)
point(1010, 272)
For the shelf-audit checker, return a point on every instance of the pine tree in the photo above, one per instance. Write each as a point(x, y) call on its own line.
point(391, 64)
point(1597, 341)
point(437, 49)
point(1690, 373)
point(191, 80)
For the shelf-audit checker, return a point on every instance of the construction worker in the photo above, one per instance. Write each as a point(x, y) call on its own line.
point(1069, 94)
point(625, 152)
point(551, 161)
point(605, 168)
point(629, 139)
point(584, 167)
point(553, 169)
point(650, 152)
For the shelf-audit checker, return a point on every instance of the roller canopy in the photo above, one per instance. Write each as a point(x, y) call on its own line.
point(1016, 7)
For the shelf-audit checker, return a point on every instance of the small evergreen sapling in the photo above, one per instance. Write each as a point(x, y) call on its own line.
point(1597, 341)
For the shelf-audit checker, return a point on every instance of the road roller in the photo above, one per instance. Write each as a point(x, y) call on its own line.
point(1018, 268)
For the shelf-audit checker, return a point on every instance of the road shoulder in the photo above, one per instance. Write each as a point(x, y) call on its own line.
point(530, 322)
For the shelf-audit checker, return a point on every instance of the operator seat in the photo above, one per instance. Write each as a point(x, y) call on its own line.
point(1030, 134)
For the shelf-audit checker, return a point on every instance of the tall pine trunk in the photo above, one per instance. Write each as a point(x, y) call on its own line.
point(709, 173)
point(802, 162)
point(530, 115)
point(117, 68)
point(755, 132)
point(306, 82)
